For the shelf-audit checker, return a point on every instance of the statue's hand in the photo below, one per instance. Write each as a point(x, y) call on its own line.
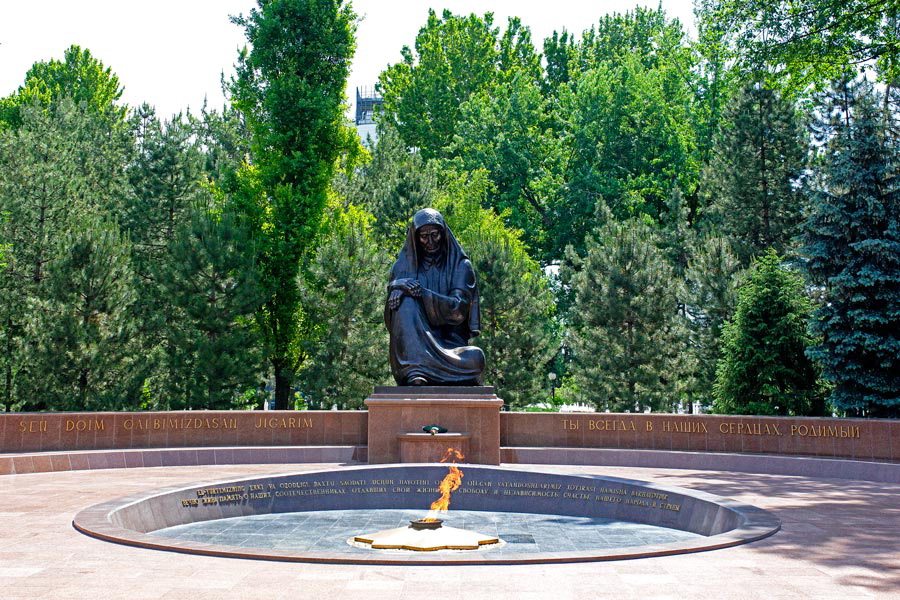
point(394, 299)
point(409, 286)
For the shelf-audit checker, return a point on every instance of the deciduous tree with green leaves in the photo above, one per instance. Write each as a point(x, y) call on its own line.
point(627, 122)
point(79, 77)
point(289, 86)
point(509, 131)
point(454, 58)
point(800, 45)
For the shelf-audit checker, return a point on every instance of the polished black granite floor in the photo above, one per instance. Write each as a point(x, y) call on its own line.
point(328, 531)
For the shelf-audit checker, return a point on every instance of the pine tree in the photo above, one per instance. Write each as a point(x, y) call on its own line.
point(751, 181)
point(626, 338)
point(210, 280)
point(392, 186)
point(764, 368)
point(853, 248)
point(712, 277)
point(81, 353)
point(343, 297)
point(676, 237)
point(166, 176)
point(63, 165)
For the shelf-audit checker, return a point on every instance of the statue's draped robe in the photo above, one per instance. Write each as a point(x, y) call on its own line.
point(430, 334)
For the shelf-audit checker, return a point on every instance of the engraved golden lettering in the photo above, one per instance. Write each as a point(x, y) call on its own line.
point(85, 425)
point(684, 426)
point(283, 423)
point(32, 426)
point(610, 425)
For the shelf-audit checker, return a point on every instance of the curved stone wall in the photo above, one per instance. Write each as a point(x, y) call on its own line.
point(857, 439)
point(725, 522)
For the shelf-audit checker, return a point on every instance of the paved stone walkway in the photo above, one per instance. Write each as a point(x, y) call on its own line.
point(840, 540)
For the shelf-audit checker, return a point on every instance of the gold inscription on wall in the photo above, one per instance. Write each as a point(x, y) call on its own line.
point(284, 423)
point(726, 428)
point(232, 494)
point(683, 426)
point(749, 428)
point(825, 431)
point(164, 423)
point(610, 425)
point(33, 426)
point(85, 425)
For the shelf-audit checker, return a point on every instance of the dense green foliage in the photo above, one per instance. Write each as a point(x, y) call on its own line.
point(625, 329)
point(803, 44)
point(853, 249)
point(764, 369)
point(610, 187)
point(79, 77)
point(752, 177)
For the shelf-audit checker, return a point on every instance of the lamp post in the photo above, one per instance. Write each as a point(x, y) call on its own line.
point(552, 377)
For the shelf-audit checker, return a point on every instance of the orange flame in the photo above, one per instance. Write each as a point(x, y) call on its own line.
point(450, 484)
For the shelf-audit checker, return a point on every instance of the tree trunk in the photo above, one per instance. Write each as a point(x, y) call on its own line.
point(283, 380)
point(7, 390)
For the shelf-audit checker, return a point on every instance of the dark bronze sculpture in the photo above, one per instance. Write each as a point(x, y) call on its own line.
point(432, 308)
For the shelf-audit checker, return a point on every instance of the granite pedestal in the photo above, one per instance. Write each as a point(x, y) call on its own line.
point(471, 416)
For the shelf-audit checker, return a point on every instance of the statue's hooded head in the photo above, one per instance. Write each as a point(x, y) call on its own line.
point(430, 234)
point(446, 255)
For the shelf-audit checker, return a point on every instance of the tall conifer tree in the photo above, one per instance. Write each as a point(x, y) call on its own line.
point(625, 336)
point(712, 277)
point(344, 296)
point(62, 165)
point(853, 246)
point(212, 353)
point(764, 368)
point(82, 352)
point(752, 178)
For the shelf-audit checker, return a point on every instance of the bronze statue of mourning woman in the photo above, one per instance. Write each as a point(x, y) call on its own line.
point(432, 308)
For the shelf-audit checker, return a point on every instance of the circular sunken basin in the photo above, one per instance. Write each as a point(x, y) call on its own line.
point(708, 522)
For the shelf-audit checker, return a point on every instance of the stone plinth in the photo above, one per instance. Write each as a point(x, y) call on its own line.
point(424, 447)
point(395, 412)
